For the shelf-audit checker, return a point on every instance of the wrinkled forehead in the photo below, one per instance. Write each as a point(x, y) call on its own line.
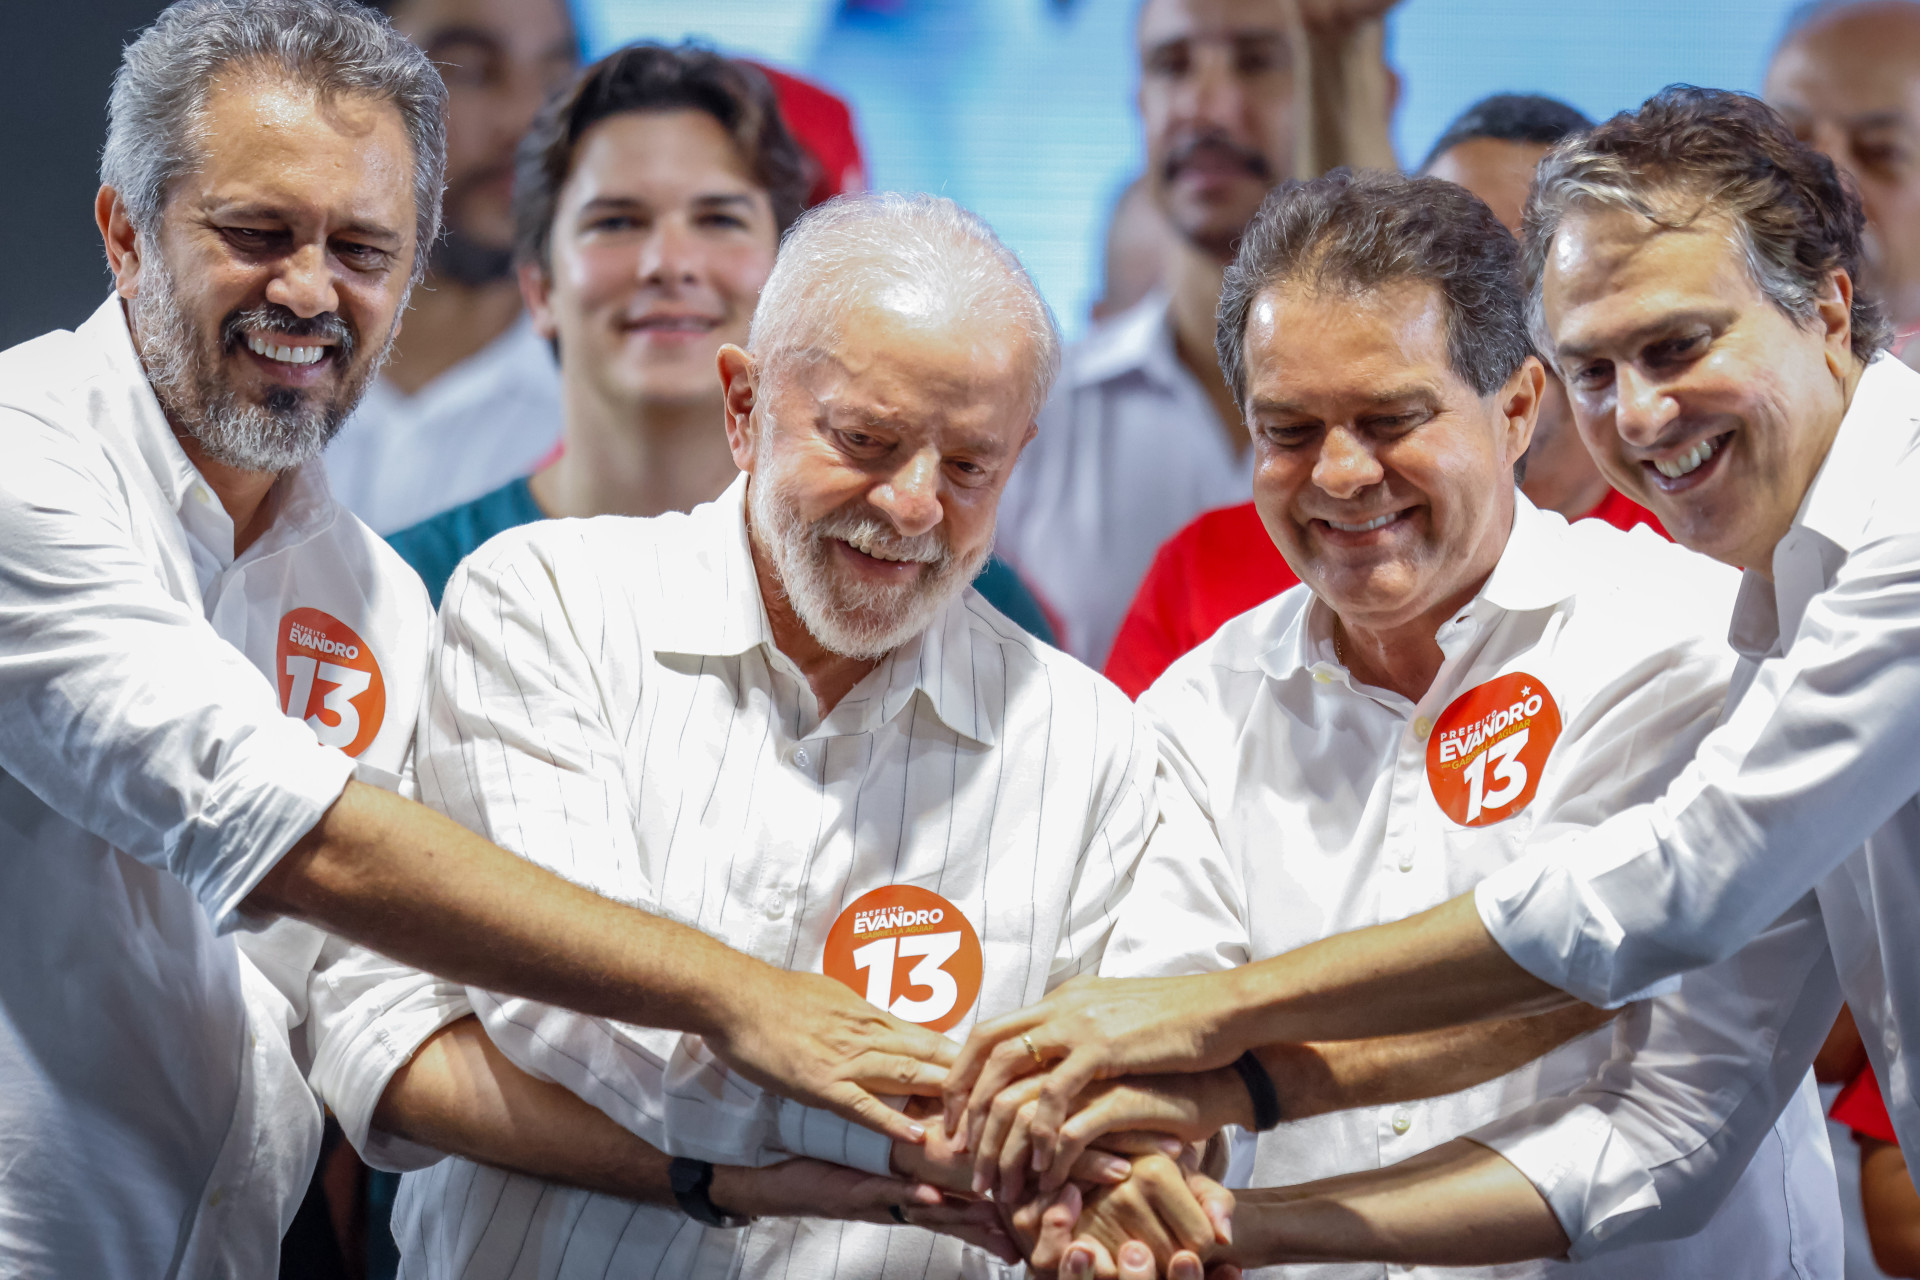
point(1165, 21)
point(1313, 339)
point(1864, 58)
point(1612, 276)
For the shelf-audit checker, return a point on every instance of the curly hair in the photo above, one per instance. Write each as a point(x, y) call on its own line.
point(1689, 153)
point(1359, 231)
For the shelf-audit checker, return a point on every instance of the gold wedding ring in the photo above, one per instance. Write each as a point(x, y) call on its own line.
point(1038, 1061)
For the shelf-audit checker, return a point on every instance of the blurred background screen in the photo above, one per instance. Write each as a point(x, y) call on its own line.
point(1020, 109)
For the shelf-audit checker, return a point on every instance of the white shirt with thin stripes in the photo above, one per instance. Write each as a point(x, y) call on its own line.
point(607, 700)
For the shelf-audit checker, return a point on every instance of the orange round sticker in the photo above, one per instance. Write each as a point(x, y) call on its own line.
point(1485, 755)
point(329, 679)
point(909, 951)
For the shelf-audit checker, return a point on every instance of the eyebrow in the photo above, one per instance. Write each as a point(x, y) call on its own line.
point(713, 201)
point(438, 39)
point(1633, 337)
point(273, 213)
point(1426, 397)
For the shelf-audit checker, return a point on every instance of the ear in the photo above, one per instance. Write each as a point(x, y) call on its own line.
point(121, 240)
point(1520, 406)
point(737, 398)
point(1833, 312)
point(536, 290)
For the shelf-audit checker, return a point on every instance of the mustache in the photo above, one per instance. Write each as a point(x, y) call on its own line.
point(1216, 144)
point(271, 317)
point(868, 533)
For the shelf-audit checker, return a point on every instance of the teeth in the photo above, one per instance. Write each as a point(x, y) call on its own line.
point(1687, 462)
point(1376, 523)
point(868, 547)
point(285, 355)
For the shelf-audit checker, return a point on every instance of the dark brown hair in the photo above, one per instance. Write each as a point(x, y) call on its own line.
point(1691, 152)
point(654, 77)
point(1356, 232)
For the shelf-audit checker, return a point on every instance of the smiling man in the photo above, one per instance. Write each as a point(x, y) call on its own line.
point(787, 717)
point(1693, 269)
point(204, 662)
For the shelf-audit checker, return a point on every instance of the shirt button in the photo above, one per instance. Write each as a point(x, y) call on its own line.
point(1406, 860)
point(1321, 676)
point(1422, 727)
point(801, 758)
point(776, 906)
point(201, 496)
point(1402, 1120)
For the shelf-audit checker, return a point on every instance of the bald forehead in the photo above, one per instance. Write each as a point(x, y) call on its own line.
point(1877, 39)
point(1164, 20)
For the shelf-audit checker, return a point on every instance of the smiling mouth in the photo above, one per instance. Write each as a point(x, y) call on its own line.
point(292, 352)
point(1692, 460)
point(1366, 526)
point(676, 324)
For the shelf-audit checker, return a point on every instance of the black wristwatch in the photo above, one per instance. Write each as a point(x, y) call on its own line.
point(692, 1183)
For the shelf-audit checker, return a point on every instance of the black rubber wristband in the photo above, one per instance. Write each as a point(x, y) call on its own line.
point(1266, 1099)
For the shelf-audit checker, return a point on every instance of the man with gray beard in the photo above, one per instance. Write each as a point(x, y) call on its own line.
point(786, 717)
point(204, 663)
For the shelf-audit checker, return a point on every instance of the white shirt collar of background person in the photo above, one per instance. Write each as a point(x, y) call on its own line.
point(1296, 805)
point(1809, 780)
point(490, 419)
point(146, 796)
point(609, 702)
point(1129, 450)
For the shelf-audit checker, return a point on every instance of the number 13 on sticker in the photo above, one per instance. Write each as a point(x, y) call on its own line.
point(908, 951)
point(1485, 754)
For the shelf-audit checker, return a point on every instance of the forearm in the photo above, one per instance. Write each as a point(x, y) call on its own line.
point(1336, 1075)
point(1891, 1207)
point(1457, 1205)
point(418, 887)
point(1440, 968)
point(461, 1095)
point(1344, 95)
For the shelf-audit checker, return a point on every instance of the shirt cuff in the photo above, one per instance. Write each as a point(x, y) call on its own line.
point(275, 789)
point(1534, 911)
point(354, 1065)
point(822, 1135)
point(1591, 1177)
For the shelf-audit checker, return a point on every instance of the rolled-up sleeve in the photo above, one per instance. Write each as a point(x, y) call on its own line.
point(514, 745)
point(1695, 1082)
point(1823, 749)
point(120, 707)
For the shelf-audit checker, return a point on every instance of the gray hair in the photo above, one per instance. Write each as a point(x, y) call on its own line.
point(335, 47)
point(1688, 153)
point(925, 250)
point(1357, 232)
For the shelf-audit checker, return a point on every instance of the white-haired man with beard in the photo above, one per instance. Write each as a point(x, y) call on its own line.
point(200, 653)
point(786, 717)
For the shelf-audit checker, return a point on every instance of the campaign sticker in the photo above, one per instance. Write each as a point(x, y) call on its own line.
point(1485, 754)
point(329, 679)
point(909, 951)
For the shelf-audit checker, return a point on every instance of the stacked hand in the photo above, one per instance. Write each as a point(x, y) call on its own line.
point(1164, 1218)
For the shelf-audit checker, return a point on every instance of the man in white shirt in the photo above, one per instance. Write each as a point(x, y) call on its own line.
point(471, 397)
point(1141, 435)
point(787, 718)
point(1692, 268)
point(199, 651)
point(1461, 673)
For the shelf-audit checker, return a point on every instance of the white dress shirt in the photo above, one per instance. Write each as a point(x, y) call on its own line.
point(608, 701)
point(1129, 450)
point(1298, 804)
point(1810, 783)
point(487, 420)
point(155, 1116)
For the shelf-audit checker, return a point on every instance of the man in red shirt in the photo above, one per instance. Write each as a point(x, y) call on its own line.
point(1223, 563)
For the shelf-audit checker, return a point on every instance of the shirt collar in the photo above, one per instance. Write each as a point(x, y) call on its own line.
point(1531, 574)
point(720, 613)
point(303, 505)
point(1880, 427)
point(1137, 341)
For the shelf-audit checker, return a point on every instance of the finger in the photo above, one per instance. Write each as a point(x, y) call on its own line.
point(971, 1061)
point(1136, 1262)
point(1014, 1155)
point(856, 1104)
point(1055, 1233)
point(1142, 1142)
point(1102, 1167)
point(1218, 1203)
point(1190, 1224)
point(1006, 1064)
point(1058, 1089)
point(1094, 1262)
point(1003, 1119)
point(1185, 1266)
point(888, 1072)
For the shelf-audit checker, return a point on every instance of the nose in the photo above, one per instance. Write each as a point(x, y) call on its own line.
point(1642, 409)
point(1346, 466)
point(910, 497)
point(1209, 95)
point(669, 256)
point(304, 283)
